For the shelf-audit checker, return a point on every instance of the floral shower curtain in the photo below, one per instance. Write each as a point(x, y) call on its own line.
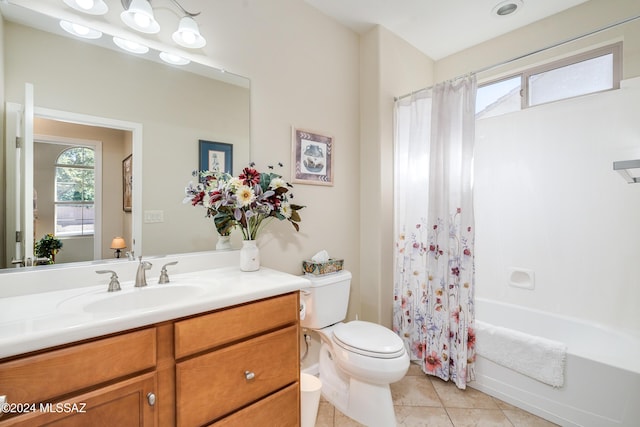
point(434, 228)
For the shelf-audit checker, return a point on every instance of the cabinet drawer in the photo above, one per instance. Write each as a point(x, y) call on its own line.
point(215, 384)
point(44, 376)
point(278, 410)
point(224, 326)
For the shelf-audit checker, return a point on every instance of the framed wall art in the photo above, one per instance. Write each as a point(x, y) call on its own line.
point(312, 157)
point(127, 182)
point(216, 156)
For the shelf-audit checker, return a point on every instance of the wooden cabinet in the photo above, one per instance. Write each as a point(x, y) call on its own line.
point(234, 366)
point(231, 359)
point(83, 382)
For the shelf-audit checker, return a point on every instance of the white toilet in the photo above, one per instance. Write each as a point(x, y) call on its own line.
point(358, 360)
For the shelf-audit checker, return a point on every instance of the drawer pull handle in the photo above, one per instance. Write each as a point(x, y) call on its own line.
point(249, 375)
point(151, 398)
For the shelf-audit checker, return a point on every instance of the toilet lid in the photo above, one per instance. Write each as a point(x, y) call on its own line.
point(368, 339)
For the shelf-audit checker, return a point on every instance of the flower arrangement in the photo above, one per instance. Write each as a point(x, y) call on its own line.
point(48, 247)
point(249, 201)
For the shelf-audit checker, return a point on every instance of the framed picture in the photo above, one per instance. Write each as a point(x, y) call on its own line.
point(127, 182)
point(216, 156)
point(312, 157)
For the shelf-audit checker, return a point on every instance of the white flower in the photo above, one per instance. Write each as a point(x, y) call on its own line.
point(206, 201)
point(234, 182)
point(277, 183)
point(245, 195)
point(285, 210)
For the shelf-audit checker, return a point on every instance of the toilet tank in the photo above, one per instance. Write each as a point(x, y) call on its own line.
point(326, 300)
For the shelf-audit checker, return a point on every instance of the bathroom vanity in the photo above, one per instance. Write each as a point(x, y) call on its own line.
point(225, 355)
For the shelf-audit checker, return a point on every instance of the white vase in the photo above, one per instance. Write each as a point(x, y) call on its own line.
point(224, 243)
point(249, 256)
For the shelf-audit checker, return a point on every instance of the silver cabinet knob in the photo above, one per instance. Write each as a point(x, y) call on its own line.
point(151, 398)
point(249, 375)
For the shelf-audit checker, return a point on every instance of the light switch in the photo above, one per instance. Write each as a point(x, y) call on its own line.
point(153, 216)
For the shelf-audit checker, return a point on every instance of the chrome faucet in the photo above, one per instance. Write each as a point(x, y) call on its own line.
point(114, 285)
point(164, 276)
point(141, 279)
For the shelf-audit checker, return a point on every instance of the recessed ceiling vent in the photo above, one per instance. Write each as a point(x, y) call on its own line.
point(508, 7)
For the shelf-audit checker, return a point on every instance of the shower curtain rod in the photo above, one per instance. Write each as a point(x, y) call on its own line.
point(534, 52)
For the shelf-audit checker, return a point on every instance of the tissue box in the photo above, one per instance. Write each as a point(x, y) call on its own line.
point(318, 268)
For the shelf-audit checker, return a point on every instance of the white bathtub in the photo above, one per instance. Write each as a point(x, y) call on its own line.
point(602, 371)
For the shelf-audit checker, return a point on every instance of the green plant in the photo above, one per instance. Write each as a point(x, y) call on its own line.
point(48, 247)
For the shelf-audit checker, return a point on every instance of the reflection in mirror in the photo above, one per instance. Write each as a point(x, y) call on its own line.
point(175, 109)
point(78, 173)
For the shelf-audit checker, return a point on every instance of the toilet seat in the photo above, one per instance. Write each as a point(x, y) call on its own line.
point(368, 339)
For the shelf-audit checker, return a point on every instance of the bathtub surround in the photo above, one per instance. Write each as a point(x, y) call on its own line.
point(434, 269)
point(537, 357)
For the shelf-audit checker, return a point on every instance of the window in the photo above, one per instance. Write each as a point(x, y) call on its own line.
point(75, 192)
point(594, 71)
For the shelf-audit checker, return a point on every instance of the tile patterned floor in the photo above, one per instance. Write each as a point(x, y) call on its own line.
point(422, 400)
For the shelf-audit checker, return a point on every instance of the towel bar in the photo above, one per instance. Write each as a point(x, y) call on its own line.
point(623, 166)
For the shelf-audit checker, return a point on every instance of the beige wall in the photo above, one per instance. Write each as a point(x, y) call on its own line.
point(389, 67)
point(304, 71)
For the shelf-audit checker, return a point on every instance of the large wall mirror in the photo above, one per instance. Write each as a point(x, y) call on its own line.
point(159, 113)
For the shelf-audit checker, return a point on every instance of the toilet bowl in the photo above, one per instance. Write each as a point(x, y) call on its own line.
point(358, 360)
point(367, 351)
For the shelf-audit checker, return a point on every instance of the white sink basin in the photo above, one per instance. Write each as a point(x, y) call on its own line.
point(132, 299)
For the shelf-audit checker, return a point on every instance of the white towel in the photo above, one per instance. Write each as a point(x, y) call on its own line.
point(539, 358)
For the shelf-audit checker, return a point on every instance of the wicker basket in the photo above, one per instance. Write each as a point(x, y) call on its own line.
point(319, 268)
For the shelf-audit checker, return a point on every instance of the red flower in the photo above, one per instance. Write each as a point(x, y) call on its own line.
point(197, 199)
point(471, 338)
point(433, 362)
point(466, 251)
point(418, 347)
point(250, 176)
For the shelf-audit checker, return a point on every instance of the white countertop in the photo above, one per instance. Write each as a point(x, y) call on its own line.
point(44, 319)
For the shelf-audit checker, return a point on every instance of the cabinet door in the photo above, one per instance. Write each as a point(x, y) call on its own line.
point(124, 404)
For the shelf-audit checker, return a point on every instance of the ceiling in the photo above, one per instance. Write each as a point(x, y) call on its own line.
point(439, 28)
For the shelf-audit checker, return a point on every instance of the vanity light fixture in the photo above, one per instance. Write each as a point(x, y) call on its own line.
point(138, 14)
point(505, 8)
point(130, 46)
point(188, 34)
point(173, 59)
point(92, 7)
point(80, 30)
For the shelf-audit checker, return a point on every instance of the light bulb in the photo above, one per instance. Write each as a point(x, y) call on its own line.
point(85, 4)
point(188, 37)
point(80, 30)
point(142, 20)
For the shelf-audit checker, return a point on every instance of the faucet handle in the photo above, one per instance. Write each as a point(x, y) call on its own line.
point(114, 285)
point(164, 276)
